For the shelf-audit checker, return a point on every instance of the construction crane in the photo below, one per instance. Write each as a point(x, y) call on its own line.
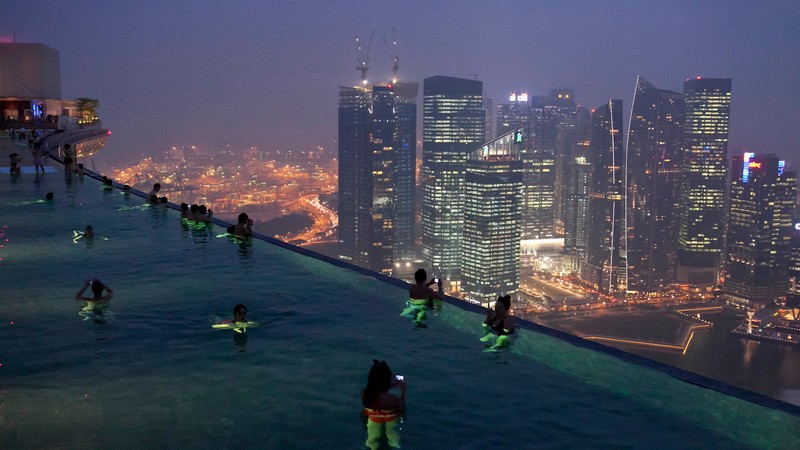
point(393, 55)
point(363, 58)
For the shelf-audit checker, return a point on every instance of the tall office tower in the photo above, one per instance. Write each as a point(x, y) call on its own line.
point(563, 101)
point(492, 217)
point(539, 179)
point(453, 126)
point(405, 104)
point(354, 150)
point(367, 176)
point(576, 194)
point(488, 109)
point(702, 202)
point(793, 292)
point(606, 248)
point(576, 213)
point(513, 114)
point(762, 203)
point(653, 160)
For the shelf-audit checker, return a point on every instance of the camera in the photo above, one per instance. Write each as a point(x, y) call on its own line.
point(399, 377)
point(435, 280)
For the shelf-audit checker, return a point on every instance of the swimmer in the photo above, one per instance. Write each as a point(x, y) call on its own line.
point(87, 233)
point(421, 297)
point(194, 210)
point(80, 170)
point(108, 184)
point(153, 199)
point(381, 407)
point(163, 200)
point(184, 211)
point(203, 215)
point(244, 227)
point(97, 292)
point(499, 325)
point(49, 196)
point(239, 323)
point(126, 189)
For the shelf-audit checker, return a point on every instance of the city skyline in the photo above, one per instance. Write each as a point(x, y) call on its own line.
point(252, 73)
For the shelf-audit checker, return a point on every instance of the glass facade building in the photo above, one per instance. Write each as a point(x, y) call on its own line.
point(705, 157)
point(606, 265)
point(405, 143)
point(453, 126)
point(762, 203)
point(367, 176)
point(653, 161)
point(492, 219)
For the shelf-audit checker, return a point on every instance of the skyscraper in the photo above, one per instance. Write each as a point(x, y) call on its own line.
point(539, 175)
point(405, 141)
point(513, 114)
point(354, 153)
point(576, 194)
point(762, 203)
point(702, 203)
point(565, 150)
point(606, 265)
point(492, 219)
point(653, 160)
point(367, 127)
point(453, 126)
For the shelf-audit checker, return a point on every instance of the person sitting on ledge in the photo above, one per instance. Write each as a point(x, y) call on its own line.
point(156, 188)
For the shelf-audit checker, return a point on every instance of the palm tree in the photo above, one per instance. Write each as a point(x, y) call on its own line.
point(87, 109)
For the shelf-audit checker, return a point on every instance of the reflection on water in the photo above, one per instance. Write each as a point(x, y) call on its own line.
point(97, 312)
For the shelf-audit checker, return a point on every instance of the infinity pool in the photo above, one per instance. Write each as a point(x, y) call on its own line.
point(150, 372)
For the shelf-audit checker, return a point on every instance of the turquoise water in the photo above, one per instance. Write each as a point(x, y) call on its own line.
point(150, 372)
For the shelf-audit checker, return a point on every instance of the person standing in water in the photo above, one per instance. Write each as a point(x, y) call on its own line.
point(382, 408)
point(421, 297)
point(97, 291)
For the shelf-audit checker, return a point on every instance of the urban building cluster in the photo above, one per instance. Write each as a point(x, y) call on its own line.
point(638, 205)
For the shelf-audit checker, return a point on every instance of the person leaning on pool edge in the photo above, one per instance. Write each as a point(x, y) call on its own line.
point(244, 226)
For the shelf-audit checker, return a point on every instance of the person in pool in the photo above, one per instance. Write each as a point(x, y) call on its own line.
point(499, 324)
point(244, 226)
point(97, 291)
point(421, 297)
point(381, 407)
point(87, 233)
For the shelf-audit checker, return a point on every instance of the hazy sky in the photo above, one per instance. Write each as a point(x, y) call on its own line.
point(267, 73)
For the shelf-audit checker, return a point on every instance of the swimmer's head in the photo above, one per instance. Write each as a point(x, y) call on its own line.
point(89, 231)
point(203, 210)
point(184, 207)
point(97, 287)
point(420, 276)
point(108, 182)
point(154, 198)
point(163, 200)
point(49, 196)
point(195, 208)
point(243, 218)
point(126, 188)
point(157, 187)
point(379, 380)
point(80, 166)
point(239, 313)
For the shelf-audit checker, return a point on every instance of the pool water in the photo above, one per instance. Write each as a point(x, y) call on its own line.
point(150, 372)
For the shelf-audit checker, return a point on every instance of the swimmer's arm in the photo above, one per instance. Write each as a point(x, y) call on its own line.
point(79, 295)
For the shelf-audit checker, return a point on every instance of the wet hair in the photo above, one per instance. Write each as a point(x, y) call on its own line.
point(238, 308)
point(163, 200)
point(49, 196)
point(126, 188)
point(420, 275)
point(231, 229)
point(157, 187)
point(184, 207)
point(195, 208)
point(89, 228)
point(80, 166)
point(379, 380)
point(97, 287)
point(203, 210)
point(242, 218)
point(505, 301)
point(154, 198)
point(104, 177)
point(108, 182)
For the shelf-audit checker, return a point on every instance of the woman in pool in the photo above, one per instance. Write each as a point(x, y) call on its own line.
point(499, 323)
point(244, 226)
point(381, 407)
point(97, 291)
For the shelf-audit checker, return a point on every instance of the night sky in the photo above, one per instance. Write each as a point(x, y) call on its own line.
point(267, 73)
